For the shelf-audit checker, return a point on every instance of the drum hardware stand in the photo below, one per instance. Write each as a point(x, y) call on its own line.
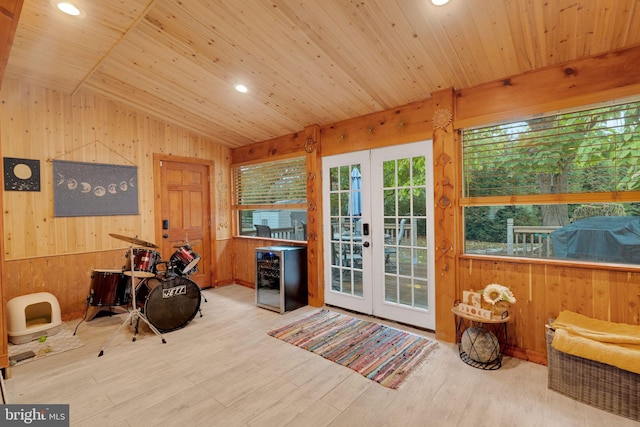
point(86, 312)
point(84, 317)
point(201, 296)
point(135, 312)
point(186, 241)
point(188, 275)
point(199, 307)
point(3, 391)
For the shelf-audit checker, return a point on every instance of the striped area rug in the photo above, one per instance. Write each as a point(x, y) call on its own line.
point(380, 353)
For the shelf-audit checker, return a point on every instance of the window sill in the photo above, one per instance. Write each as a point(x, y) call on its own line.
point(556, 262)
point(270, 239)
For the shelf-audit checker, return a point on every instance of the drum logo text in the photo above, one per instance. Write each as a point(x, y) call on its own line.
point(176, 290)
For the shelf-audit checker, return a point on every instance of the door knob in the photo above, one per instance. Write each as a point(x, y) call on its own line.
point(165, 236)
point(365, 244)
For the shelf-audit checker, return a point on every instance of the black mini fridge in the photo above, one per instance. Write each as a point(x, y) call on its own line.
point(281, 277)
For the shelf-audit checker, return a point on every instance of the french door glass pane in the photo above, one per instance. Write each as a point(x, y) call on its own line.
point(405, 228)
point(346, 229)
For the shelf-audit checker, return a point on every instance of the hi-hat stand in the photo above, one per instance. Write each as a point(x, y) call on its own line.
point(135, 313)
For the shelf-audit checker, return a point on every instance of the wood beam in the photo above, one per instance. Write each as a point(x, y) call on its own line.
point(285, 146)
point(446, 212)
point(315, 262)
point(582, 82)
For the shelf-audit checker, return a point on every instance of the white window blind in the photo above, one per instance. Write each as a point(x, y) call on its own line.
point(594, 150)
point(281, 181)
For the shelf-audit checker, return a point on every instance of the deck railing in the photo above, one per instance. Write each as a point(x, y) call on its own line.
point(295, 232)
point(529, 240)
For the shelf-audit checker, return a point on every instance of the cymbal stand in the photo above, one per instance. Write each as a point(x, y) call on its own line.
point(84, 316)
point(135, 313)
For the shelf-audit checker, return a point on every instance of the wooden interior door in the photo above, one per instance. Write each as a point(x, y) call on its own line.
point(185, 213)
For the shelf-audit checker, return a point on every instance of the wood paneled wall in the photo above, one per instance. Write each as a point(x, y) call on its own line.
point(68, 277)
point(39, 123)
point(244, 247)
point(244, 264)
point(9, 15)
point(543, 288)
point(408, 123)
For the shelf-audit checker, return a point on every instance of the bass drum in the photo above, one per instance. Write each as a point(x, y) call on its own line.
point(168, 304)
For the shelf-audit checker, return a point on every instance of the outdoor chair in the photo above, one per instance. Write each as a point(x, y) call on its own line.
point(262, 230)
point(391, 251)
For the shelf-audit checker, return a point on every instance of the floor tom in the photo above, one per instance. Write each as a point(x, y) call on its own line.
point(109, 288)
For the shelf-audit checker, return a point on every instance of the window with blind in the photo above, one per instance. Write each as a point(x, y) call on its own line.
point(563, 186)
point(270, 199)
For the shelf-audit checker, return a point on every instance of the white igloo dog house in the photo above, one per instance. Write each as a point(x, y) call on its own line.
point(31, 316)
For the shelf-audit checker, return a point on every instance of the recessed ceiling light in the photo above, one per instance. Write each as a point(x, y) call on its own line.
point(242, 88)
point(439, 2)
point(68, 8)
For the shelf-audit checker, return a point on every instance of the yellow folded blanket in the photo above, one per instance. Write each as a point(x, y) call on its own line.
point(616, 344)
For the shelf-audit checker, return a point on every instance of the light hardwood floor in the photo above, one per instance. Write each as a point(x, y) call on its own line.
point(223, 369)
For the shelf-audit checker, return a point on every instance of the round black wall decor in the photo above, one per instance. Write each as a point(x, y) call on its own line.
point(21, 174)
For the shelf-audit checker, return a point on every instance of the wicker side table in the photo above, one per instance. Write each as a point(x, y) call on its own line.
point(471, 338)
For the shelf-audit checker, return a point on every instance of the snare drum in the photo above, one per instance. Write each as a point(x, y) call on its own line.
point(144, 262)
point(168, 304)
point(109, 288)
point(184, 260)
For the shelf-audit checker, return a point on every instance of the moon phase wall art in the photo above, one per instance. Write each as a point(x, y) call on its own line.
point(94, 189)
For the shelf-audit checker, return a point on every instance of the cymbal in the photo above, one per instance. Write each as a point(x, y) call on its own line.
point(179, 245)
point(134, 240)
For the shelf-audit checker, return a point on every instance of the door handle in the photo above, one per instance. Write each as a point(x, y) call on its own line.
point(365, 244)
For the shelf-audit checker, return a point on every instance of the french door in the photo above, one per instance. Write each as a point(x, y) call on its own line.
point(378, 233)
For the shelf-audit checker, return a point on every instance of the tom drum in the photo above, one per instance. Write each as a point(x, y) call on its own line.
point(144, 263)
point(184, 260)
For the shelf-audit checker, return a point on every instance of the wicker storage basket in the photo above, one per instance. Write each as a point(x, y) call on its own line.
point(597, 384)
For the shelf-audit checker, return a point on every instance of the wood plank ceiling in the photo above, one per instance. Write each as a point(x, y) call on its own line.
point(304, 61)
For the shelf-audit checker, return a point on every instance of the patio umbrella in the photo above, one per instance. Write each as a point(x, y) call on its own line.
point(355, 197)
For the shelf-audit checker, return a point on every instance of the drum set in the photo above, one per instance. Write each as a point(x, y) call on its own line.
point(166, 299)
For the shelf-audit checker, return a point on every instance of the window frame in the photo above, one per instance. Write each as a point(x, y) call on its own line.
point(238, 207)
point(567, 198)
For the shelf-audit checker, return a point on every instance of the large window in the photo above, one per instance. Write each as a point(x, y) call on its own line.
point(563, 186)
point(270, 199)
